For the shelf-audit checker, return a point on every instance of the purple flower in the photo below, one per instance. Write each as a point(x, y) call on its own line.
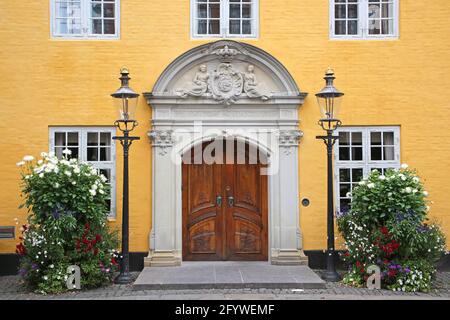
point(407, 270)
point(22, 272)
point(34, 266)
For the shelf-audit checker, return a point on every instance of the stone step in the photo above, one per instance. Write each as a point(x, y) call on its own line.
point(227, 275)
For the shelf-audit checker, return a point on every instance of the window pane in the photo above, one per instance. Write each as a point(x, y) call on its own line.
point(374, 11)
point(247, 27)
point(109, 26)
point(214, 11)
point(344, 153)
point(357, 175)
point(105, 154)
point(357, 138)
point(353, 11)
point(105, 139)
point(96, 10)
point(388, 138)
point(344, 188)
point(214, 26)
point(201, 13)
point(74, 153)
point(235, 26)
point(389, 153)
point(387, 26)
point(68, 26)
point(107, 174)
point(344, 204)
point(375, 138)
point(339, 11)
point(339, 27)
point(344, 138)
point(387, 10)
point(375, 153)
point(357, 154)
point(352, 26)
point(374, 27)
point(92, 154)
point(108, 10)
point(58, 152)
point(97, 26)
point(235, 11)
point(92, 139)
point(60, 138)
point(344, 175)
point(72, 138)
point(201, 27)
point(246, 11)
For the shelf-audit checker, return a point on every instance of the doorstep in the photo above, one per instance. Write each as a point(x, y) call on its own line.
point(227, 275)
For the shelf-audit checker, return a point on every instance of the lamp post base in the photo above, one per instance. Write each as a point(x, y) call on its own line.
point(123, 278)
point(331, 276)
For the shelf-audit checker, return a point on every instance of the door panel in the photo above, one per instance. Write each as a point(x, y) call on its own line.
point(234, 228)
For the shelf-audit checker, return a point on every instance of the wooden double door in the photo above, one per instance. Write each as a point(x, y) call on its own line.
point(224, 210)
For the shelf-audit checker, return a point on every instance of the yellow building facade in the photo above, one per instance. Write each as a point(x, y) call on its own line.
point(397, 83)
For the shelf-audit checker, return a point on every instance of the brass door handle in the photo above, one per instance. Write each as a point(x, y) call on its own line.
point(219, 200)
point(230, 201)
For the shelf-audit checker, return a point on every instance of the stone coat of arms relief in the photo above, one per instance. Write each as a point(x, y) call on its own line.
point(226, 84)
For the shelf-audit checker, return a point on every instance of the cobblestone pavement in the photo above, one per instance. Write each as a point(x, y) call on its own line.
point(11, 288)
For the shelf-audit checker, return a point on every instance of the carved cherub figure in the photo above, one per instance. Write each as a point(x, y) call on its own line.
point(251, 84)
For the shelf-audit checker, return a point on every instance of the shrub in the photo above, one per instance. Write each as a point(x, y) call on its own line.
point(387, 225)
point(67, 224)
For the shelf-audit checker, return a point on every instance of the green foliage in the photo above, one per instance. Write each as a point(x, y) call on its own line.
point(67, 224)
point(387, 225)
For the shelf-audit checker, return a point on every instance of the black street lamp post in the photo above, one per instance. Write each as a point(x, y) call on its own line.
point(329, 99)
point(126, 101)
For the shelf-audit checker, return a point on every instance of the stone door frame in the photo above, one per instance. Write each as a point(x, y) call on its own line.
point(180, 123)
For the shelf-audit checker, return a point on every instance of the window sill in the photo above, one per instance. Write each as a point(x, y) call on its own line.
point(84, 38)
point(385, 38)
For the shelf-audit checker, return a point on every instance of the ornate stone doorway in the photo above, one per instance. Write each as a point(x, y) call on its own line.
point(225, 90)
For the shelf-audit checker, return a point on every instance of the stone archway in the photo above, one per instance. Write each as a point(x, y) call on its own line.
point(225, 89)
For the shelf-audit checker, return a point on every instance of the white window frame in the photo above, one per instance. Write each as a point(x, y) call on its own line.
point(363, 20)
point(366, 163)
point(86, 33)
point(82, 154)
point(224, 22)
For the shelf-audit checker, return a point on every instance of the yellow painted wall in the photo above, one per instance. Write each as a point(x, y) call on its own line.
point(49, 82)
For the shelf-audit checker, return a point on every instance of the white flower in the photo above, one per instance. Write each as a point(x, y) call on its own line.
point(94, 187)
point(27, 177)
point(56, 185)
point(425, 193)
point(76, 170)
point(101, 191)
point(40, 161)
point(382, 177)
point(348, 195)
point(93, 192)
point(44, 154)
point(51, 266)
point(103, 178)
point(74, 182)
point(45, 278)
point(20, 163)
point(408, 190)
point(362, 183)
point(404, 166)
point(67, 151)
point(427, 208)
point(416, 179)
point(28, 158)
point(67, 173)
point(414, 191)
point(371, 185)
point(41, 175)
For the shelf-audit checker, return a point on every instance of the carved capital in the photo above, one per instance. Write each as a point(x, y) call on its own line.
point(162, 139)
point(287, 138)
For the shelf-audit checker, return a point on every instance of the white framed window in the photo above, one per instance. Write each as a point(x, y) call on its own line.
point(85, 19)
point(224, 18)
point(364, 19)
point(357, 152)
point(90, 144)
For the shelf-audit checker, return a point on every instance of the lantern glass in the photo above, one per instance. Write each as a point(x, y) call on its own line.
point(126, 107)
point(329, 105)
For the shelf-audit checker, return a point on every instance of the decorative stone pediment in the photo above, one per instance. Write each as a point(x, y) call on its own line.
point(225, 73)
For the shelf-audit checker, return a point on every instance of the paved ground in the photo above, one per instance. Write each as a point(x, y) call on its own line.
point(228, 275)
point(11, 289)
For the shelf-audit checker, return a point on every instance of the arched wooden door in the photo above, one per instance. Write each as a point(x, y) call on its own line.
point(225, 207)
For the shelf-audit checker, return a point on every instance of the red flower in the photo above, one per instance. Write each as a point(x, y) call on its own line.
point(358, 264)
point(386, 261)
point(384, 230)
point(98, 238)
point(95, 251)
point(113, 261)
point(392, 273)
point(347, 254)
point(77, 244)
point(85, 241)
point(87, 226)
point(20, 249)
